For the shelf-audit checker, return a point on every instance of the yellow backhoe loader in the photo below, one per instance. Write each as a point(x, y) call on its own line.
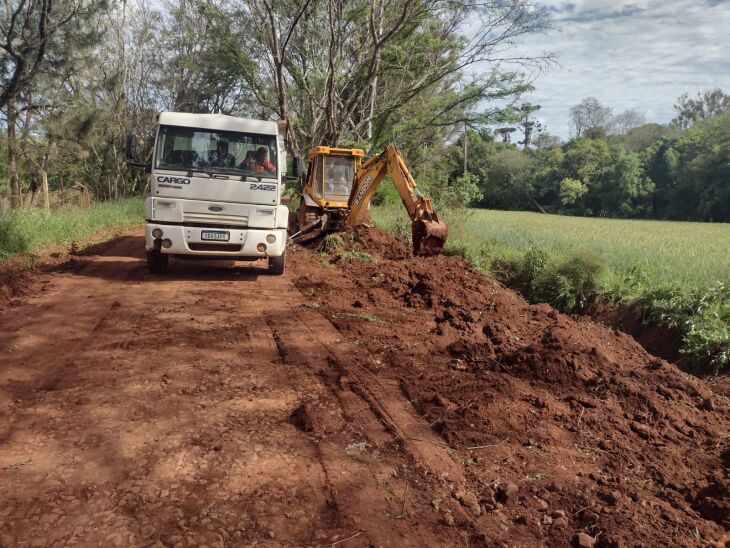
point(337, 188)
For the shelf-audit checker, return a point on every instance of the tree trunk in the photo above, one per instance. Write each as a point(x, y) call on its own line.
point(44, 186)
point(15, 196)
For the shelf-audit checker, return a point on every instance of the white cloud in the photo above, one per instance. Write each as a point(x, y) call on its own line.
point(638, 55)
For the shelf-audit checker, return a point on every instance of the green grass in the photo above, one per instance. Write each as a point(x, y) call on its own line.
point(688, 255)
point(27, 231)
point(679, 272)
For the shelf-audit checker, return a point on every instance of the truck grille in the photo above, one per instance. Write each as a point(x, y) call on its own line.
point(215, 219)
point(228, 248)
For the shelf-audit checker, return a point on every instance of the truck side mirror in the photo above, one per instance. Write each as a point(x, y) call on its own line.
point(131, 148)
point(298, 166)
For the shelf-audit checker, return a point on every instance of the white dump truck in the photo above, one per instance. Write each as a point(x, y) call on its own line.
point(215, 190)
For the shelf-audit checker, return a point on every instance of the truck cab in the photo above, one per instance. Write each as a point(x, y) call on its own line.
point(215, 191)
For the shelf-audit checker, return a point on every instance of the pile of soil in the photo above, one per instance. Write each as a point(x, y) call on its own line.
point(567, 431)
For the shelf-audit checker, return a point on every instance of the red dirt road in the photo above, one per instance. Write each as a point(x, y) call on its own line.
point(401, 402)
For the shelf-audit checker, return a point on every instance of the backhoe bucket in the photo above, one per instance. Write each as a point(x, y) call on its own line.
point(429, 237)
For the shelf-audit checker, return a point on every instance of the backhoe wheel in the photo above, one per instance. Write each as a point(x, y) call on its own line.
point(157, 262)
point(277, 264)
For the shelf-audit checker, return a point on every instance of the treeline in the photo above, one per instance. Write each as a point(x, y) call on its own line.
point(79, 75)
point(679, 171)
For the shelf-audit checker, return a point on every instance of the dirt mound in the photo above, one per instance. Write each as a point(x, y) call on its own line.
point(380, 243)
point(562, 425)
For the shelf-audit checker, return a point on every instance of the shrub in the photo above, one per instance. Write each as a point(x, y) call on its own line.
point(570, 284)
point(402, 230)
point(701, 316)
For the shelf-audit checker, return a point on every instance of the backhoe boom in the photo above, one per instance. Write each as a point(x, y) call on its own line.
point(429, 234)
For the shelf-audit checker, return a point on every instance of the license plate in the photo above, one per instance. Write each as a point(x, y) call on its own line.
point(215, 235)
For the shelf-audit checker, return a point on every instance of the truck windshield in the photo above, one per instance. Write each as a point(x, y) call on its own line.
point(211, 151)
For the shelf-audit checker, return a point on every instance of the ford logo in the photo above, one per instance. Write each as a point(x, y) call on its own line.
point(215, 209)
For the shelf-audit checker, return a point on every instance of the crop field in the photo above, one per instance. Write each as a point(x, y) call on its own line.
point(688, 255)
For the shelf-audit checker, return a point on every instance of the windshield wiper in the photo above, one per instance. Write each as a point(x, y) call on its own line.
point(221, 172)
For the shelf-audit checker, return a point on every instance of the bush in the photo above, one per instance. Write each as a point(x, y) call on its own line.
point(457, 194)
point(702, 317)
point(570, 285)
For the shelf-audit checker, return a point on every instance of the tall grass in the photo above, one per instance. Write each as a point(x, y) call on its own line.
point(678, 273)
point(28, 230)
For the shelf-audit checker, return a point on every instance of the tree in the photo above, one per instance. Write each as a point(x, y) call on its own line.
point(545, 140)
point(627, 120)
point(33, 32)
point(571, 190)
point(351, 71)
point(508, 184)
point(529, 126)
point(706, 105)
point(692, 172)
point(642, 137)
point(590, 114)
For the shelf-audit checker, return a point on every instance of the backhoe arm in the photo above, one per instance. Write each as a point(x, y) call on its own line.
point(429, 235)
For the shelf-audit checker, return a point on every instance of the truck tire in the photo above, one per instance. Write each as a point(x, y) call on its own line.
point(277, 264)
point(157, 262)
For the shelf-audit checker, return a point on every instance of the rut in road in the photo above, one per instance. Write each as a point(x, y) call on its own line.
point(210, 406)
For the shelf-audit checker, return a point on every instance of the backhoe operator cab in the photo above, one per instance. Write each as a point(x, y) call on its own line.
point(327, 185)
point(215, 192)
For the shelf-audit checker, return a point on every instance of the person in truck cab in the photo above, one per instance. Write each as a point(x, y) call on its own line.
point(221, 157)
point(259, 163)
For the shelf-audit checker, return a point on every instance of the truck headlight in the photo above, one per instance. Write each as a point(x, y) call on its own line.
point(261, 248)
point(270, 238)
point(157, 233)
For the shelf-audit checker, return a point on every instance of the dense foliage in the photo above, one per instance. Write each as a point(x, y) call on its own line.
point(78, 76)
point(652, 171)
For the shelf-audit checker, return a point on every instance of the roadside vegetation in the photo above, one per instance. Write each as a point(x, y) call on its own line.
point(28, 230)
point(675, 274)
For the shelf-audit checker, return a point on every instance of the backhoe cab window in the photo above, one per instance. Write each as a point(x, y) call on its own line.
point(317, 183)
point(339, 173)
point(186, 149)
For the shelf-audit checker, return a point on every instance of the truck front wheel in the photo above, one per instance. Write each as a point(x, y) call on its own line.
point(157, 262)
point(277, 264)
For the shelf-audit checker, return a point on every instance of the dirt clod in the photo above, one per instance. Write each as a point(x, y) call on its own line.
point(584, 540)
point(470, 501)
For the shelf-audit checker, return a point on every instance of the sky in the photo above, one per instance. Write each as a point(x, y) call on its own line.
point(639, 54)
